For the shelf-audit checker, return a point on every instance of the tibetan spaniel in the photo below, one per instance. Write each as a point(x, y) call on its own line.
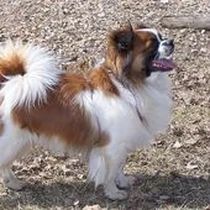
point(106, 113)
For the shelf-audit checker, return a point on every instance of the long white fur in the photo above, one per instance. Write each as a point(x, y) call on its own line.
point(41, 74)
point(118, 117)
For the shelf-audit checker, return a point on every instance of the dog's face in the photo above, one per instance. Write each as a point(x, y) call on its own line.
point(136, 53)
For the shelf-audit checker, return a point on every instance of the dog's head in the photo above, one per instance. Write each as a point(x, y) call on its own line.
point(136, 53)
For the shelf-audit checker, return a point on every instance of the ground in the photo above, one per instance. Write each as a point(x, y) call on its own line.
point(172, 174)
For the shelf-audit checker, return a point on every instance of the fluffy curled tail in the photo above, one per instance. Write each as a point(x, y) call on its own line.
point(26, 73)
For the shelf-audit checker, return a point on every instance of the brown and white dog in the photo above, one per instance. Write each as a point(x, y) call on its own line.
point(107, 113)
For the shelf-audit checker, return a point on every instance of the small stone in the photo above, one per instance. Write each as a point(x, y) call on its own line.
point(164, 197)
point(101, 14)
point(183, 30)
point(177, 145)
point(76, 202)
point(203, 50)
point(203, 31)
point(65, 11)
point(164, 1)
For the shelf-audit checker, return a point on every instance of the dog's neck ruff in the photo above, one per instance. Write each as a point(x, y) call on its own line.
point(129, 89)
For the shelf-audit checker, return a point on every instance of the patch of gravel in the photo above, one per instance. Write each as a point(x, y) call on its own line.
point(174, 172)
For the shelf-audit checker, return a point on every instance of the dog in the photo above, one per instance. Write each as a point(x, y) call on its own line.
point(106, 113)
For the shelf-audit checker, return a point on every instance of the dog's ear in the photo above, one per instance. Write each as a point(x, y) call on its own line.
point(123, 39)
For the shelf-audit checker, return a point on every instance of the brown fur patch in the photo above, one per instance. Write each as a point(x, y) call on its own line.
point(63, 118)
point(70, 85)
point(99, 78)
point(12, 65)
point(68, 122)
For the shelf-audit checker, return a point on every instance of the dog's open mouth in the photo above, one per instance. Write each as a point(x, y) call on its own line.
point(163, 64)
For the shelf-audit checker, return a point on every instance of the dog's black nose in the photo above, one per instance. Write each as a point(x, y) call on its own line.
point(171, 42)
point(168, 42)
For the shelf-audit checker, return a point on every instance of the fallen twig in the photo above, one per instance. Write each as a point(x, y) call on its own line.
point(197, 22)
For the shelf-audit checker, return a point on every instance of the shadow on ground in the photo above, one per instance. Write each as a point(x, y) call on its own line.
point(149, 192)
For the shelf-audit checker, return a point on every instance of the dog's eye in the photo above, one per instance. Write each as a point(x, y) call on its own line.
point(155, 42)
point(154, 46)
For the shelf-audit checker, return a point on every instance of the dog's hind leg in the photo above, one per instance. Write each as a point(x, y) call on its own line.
point(10, 180)
point(11, 148)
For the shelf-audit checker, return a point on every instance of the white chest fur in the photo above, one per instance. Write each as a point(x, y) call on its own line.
point(118, 116)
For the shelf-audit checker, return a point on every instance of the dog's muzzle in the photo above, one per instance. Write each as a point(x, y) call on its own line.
point(163, 60)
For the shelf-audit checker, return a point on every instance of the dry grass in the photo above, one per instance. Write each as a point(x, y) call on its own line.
point(174, 173)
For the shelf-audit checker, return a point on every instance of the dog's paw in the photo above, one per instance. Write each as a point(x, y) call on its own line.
point(15, 184)
point(125, 182)
point(117, 194)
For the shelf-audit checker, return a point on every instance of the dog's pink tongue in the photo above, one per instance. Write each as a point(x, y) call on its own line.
point(163, 64)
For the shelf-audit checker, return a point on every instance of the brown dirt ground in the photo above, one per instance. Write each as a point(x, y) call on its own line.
point(174, 172)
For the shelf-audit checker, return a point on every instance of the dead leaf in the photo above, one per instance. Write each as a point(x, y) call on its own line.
point(191, 166)
point(94, 207)
point(191, 141)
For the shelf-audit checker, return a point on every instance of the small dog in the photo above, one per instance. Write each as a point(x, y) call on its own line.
point(106, 113)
